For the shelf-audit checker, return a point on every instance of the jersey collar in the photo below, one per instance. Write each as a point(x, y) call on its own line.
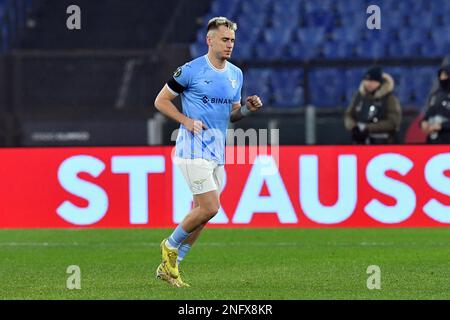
point(214, 68)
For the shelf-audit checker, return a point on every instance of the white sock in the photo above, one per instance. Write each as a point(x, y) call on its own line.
point(168, 245)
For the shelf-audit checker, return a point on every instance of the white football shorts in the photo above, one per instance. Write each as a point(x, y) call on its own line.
point(201, 175)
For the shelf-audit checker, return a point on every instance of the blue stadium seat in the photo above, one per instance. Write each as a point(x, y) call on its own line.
point(259, 20)
point(286, 78)
point(252, 7)
point(326, 97)
point(430, 49)
point(200, 36)
point(350, 35)
point(301, 51)
point(424, 76)
point(320, 19)
point(396, 73)
point(287, 88)
point(385, 35)
point(417, 34)
point(428, 18)
point(224, 8)
point(370, 50)
point(242, 50)
point(259, 75)
point(310, 36)
point(289, 98)
point(285, 20)
point(394, 19)
point(249, 35)
point(277, 36)
point(352, 78)
point(283, 30)
point(412, 48)
point(249, 31)
point(396, 50)
point(412, 84)
point(350, 20)
point(197, 49)
point(411, 6)
point(319, 5)
point(348, 95)
point(327, 87)
point(442, 48)
point(290, 6)
point(252, 88)
point(440, 6)
point(268, 51)
point(336, 50)
point(437, 33)
point(404, 95)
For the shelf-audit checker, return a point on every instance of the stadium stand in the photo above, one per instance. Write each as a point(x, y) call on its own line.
point(13, 19)
point(294, 53)
point(326, 30)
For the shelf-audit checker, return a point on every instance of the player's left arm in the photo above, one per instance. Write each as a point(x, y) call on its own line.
point(252, 104)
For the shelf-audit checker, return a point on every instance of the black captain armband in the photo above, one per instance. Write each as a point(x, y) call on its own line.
point(175, 86)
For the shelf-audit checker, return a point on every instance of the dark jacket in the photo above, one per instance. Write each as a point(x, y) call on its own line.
point(380, 111)
point(438, 110)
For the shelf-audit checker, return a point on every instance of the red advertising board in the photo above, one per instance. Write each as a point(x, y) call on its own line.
point(320, 186)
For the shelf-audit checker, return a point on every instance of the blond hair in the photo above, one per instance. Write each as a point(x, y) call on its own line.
point(216, 22)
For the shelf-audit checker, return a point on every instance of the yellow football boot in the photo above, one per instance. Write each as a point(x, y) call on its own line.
point(180, 281)
point(164, 276)
point(169, 260)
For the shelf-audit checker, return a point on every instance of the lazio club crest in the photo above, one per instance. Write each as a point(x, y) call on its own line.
point(233, 83)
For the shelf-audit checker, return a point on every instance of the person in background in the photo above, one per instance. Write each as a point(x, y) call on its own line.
point(436, 121)
point(374, 115)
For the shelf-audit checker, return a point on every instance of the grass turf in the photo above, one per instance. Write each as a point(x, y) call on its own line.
point(242, 264)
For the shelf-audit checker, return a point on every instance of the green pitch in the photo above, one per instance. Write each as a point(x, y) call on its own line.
point(228, 264)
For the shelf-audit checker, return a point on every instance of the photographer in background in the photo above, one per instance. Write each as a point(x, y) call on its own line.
point(374, 115)
point(436, 121)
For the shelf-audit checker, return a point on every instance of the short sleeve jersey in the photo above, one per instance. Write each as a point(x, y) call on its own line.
point(207, 94)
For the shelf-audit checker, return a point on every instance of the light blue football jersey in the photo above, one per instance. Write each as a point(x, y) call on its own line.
point(208, 95)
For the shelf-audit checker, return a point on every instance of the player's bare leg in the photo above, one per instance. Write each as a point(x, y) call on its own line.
point(206, 206)
point(196, 233)
point(186, 246)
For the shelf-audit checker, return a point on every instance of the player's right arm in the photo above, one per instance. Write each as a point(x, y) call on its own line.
point(164, 104)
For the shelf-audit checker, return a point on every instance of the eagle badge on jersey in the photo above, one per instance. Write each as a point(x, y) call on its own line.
point(233, 83)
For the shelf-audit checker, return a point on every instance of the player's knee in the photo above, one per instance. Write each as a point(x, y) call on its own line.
point(210, 210)
point(214, 211)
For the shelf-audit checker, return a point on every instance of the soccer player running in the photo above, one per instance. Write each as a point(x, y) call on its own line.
point(210, 89)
